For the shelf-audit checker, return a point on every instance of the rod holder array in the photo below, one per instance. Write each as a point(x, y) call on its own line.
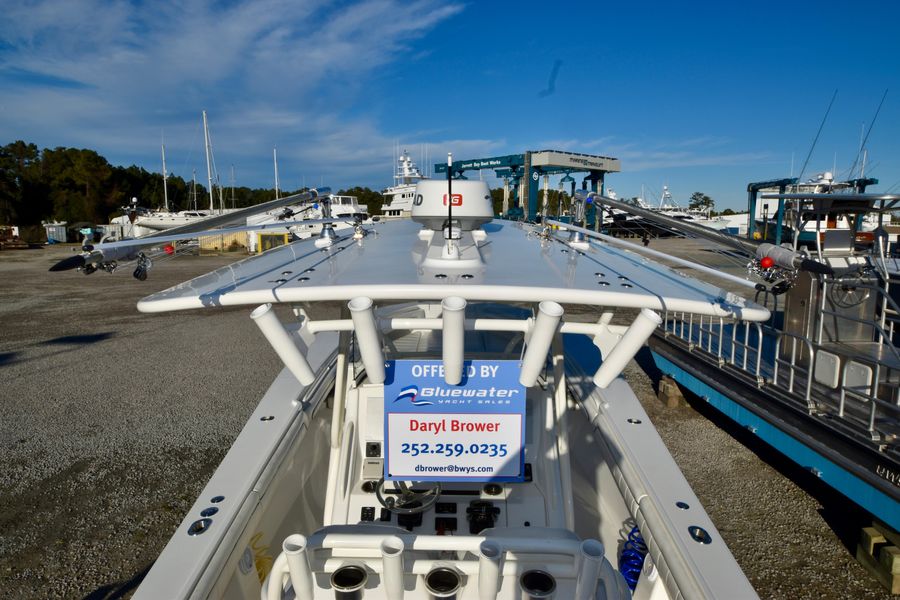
point(302, 579)
point(453, 315)
point(632, 340)
point(363, 315)
point(545, 326)
point(592, 554)
point(271, 327)
point(490, 565)
point(392, 566)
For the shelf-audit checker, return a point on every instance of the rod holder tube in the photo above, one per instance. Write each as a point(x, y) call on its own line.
point(537, 585)
point(363, 315)
point(453, 315)
point(592, 555)
point(443, 583)
point(545, 326)
point(490, 556)
point(294, 547)
point(280, 340)
point(349, 581)
point(392, 566)
point(632, 340)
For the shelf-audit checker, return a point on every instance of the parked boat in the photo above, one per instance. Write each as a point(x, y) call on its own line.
point(626, 222)
point(781, 220)
point(137, 221)
point(820, 380)
point(399, 197)
point(440, 430)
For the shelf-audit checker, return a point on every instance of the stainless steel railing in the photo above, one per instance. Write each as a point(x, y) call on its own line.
point(787, 362)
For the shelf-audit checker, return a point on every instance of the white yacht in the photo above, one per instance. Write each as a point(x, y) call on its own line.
point(400, 196)
point(441, 429)
point(668, 207)
point(145, 222)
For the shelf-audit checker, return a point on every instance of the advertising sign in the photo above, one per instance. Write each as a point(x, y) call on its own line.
point(473, 431)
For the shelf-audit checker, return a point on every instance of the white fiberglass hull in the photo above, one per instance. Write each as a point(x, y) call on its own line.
point(606, 473)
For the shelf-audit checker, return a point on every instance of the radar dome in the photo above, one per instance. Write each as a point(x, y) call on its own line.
point(472, 206)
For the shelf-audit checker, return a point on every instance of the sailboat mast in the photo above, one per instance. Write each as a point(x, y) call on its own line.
point(212, 205)
point(275, 158)
point(165, 176)
point(194, 187)
point(232, 186)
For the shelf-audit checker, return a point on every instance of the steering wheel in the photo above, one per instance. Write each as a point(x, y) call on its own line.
point(849, 290)
point(408, 502)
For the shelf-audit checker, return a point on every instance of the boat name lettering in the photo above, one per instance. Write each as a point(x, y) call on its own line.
point(888, 474)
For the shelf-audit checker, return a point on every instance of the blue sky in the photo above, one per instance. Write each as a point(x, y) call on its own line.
point(702, 96)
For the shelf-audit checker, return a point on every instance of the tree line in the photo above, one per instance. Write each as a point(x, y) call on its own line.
point(79, 185)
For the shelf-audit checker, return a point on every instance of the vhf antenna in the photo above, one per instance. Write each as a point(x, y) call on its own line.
point(450, 197)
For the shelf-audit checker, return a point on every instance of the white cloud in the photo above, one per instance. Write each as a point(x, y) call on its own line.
point(269, 72)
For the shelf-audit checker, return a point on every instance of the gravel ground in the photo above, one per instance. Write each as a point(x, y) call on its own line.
point(112, 421)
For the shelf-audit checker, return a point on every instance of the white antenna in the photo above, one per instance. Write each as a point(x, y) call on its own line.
point(212, 205)
point(275, 157)
point(862, 137)
point(232, 186)
point(221, 193)
point(165, 175)
point(862, 169)
point(450, 201)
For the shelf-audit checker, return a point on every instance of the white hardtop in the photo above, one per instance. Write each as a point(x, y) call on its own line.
point(503, 261)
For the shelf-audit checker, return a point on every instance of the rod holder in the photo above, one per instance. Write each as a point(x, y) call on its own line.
point(537, 585)
point(592, 554)
point(443, 583)
point(490, 557)
point(625, 349)
point(348, 582)
point(392, 566)
point(363, 315)
point(302, 580)
point(453, 314)
point(545, 326)
point(280, 340)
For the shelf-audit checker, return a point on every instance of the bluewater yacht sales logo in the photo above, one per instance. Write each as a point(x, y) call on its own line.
point(409, 393)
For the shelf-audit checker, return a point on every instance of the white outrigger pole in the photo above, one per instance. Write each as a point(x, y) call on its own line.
point(212, 205)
